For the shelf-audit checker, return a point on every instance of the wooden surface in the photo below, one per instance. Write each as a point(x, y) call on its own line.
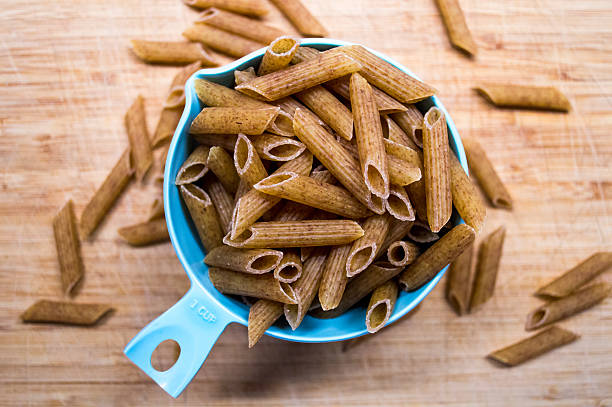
point(66, 79)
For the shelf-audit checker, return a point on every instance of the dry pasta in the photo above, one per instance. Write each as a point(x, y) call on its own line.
point(172, 52)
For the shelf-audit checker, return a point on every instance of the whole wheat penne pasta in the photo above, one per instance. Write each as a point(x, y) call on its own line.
point(203, 214)
point(436, 257)
point(364, 250)
point(240, 25)
point(527, 97)
point(381, 306)
point(333, 112)
point(489, 255)
point(223, 202)
point(466, 199)
point(334, 279)
point(401, 253)
point(566, 307)
point(140, 146)
point(416, 193)
point(289, 269)
point(577, 276)
point(146, 233)
point(459, 282)
point(393, 132)
point(243, 188)
point(404, 153)
point(176, 93)
point(194, 167)
point(386, 77)
point(484, 172)
point(299, 77)
point(296, 211)
point(308, 191)
point(262, 315)
point(369, 137)
point(64, 312)
point(306, 287)
point(275, 148)
point(222, 165)
point(107, 194)
point(253, 204)
point(68, 247)
point(156, 210)
point(233, 120)
point(454, 21)
point(220, 40)
point(397, 231)
point(385, 103)
point(259, 286)
point(226, 141)
point(360, 286)
point(304, 53)
point(245, 75)
point(335, 158)
point(534, 346)
point(253, 8)
point(172, 52)
point(297, 234)
point(251, 261)
point(437, 170)
point(421, 233)
point(163, 156)
point(278, 55)
point(166, 126)
point(301, 18)
point(398, 204)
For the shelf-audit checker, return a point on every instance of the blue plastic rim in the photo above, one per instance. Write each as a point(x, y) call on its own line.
point(197, 320)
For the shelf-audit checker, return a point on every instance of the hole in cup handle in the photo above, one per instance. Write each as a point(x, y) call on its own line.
point(195, 323)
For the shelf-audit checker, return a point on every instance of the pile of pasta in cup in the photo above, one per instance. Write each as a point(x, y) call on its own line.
point(316, 182)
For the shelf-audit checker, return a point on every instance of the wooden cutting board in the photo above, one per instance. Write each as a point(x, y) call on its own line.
point(66, 79)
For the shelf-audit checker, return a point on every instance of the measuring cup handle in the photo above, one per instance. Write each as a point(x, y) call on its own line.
point(195, 323)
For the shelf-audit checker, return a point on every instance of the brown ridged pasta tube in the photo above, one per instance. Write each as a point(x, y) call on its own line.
point(221, 41)
point(466, 198)
point(278, 55)
point(146, 233)
point(528, 97)
point(172, 52)
point(364, 250)
point(385, 103)
point(398, 204)
point(381, 306)
point(301, 18)
point(459, 282)
point(329, 109)
point(258, 286)
point(176, 93)
point(226, 141)
point(233, 120)
point(68, 247)
point(223, 202)
point(251, 261)
point(261, 317)
point(194, 167)
point(420, 233)
point(577, 276)
point(401, 253)
point(222, 165)
point(565, 307)
point(245, 75)
point(166, 126)
point(290, 267)
point(397, 231)
point(334, 279)
point(253, 8)
point(237, 24)
point(204, 215)
point(434, 259)
point(489, 255)
point(456, 27)
point(393, 132)
point(275, 148)
point(64, 312)
point(296, 211)
point(138, 135)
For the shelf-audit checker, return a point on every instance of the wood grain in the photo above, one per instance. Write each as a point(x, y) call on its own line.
point(66, 79)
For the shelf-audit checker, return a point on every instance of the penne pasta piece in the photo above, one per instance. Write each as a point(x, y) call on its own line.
point(437, 256)
point(334, 279)
point(278, 55)
point(393, 132)
point(68, 247)
point(306, 287)
point(329, 109)
point(397, 231)
point(398, 204)
point(401, 253)
point(386, 77)
point(222, 165)
point(226, 141)
point(296, 211)
point(466, 199)
point(64, 312)
point(459, 282)
point(416, 193)
point(404, 153)
point(577, 276)
point(302, 233)
point(364, 250)
point(253, 8)
point(157, 209)
point(385, 103)
point(566, 307)
point(290, 267)
point(203, 214)
point(176, 94)
point(233, 120)
point(223, 202)
point(251, 261)
point(456, 27)
point(301, 18)
point(262, 315)
point(526, 97)
point(437, 170)
point(369, 137)
point(105, 196)
point(172, 52)
point(534, 346)
point(166, 126)
point(194, 167)
point(275, 148)
point(245, 27)
point(335, 158)
point(489, 255)
point(146, 233)
point(259, 286)
point(140, 146)
point(244, 76)
point(381, 306)
point(220, 40)
point(420, 233)
point(484, 172)
point(308, 191)
point(299, 77)
point(253, 204)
